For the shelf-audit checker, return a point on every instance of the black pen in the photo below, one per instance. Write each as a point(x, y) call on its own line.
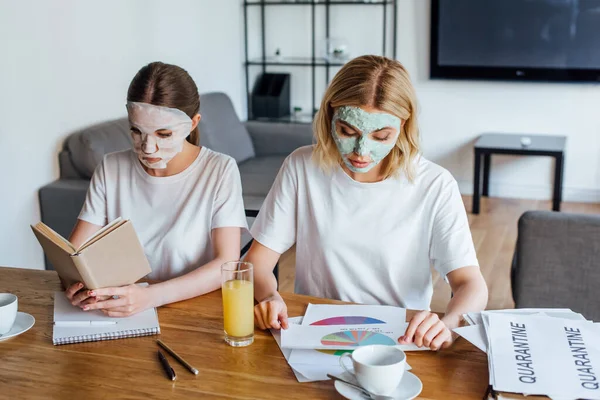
point(166, 366)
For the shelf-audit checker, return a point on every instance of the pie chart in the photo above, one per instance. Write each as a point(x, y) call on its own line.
point(356, 338)
point(335, 352)
point(348, 320)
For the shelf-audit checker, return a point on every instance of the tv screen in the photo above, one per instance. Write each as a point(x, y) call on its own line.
point(516, 39)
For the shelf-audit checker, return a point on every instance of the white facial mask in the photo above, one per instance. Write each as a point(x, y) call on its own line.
point(148, 119)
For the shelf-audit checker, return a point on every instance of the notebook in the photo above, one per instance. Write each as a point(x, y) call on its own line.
point(141, 324)
point(113, 256)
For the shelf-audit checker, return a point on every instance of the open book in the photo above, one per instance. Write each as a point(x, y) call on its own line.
point(113, 256)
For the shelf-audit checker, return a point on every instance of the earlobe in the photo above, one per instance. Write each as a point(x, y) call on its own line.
point(196, 121)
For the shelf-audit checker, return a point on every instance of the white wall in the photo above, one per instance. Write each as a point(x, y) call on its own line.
point(65, 64)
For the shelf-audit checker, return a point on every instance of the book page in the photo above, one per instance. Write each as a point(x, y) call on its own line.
point(54, 237)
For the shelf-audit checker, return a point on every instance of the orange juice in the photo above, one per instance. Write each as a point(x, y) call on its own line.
point(238, 308)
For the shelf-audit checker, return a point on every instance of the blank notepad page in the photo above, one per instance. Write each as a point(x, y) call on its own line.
point(141, 324)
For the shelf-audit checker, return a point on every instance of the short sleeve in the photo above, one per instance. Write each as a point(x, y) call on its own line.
point(94, 209)
point(451, 242)
point(228, 207)
point(275, 226)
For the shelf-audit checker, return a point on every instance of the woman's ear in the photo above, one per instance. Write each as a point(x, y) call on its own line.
point(196, 120)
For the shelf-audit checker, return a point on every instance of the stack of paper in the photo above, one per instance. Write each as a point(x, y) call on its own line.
point(552, 352)
point(313, 344)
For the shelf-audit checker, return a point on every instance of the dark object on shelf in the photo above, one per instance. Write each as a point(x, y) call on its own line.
point(518, 40)
point(271, 96)
point(312, 62)
point(498, 143)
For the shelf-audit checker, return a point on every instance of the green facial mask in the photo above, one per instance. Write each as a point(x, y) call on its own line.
point(362, 145)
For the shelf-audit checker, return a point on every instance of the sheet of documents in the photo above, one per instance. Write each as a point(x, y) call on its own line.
point(537, 354)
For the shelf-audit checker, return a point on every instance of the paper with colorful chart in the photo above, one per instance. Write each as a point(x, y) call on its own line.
point(343, 327)
point(334, 314)
point(314, 365)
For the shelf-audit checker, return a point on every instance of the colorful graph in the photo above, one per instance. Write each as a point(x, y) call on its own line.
point(348, 320)
point(335, 352)
point(356, 338)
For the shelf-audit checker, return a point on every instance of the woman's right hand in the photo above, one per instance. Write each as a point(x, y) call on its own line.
point(77, 294)
point(271, 313)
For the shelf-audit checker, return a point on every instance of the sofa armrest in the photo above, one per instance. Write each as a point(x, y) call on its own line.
point(275, 138)
point(60, 204)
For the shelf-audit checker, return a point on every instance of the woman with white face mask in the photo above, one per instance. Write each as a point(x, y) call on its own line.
point(368, 214)
point(184, 201)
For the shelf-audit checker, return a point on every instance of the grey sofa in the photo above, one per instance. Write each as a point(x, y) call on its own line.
point(557, 262)
point(258, 147)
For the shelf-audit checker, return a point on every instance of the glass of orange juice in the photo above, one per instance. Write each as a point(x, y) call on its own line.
point(237, 284)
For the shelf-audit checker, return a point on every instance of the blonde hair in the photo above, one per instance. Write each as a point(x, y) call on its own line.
point(377, 82)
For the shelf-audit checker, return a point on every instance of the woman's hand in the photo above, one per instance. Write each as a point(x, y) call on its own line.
point(121, 301)
point(79, 296)
point(427, 329)
point(271, 313)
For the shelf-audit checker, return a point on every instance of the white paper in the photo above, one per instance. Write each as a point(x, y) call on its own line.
point(474, 334)
point(307, 372)
point(65, 312)
point(311, 365)
point(286, 352)
point(333, 314)
point(474, 318)
point(543, 355)
point(341, 337)
point(485, 322)
point(277, 335)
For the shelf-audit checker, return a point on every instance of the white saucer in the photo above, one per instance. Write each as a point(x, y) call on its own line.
point(409, 388)
point(23, 323)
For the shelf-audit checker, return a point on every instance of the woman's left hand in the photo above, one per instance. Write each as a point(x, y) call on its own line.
point(427, 329)
point(131, 300)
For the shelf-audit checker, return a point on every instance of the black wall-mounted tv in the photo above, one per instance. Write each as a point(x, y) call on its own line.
point(534, 40)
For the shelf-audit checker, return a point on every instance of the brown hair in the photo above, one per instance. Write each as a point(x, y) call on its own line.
point(167, 85)
point(377, 82)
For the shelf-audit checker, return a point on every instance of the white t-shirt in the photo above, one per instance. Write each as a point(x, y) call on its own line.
point(371, 243)
point(173, 216)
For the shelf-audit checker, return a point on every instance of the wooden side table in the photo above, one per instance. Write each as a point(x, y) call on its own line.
point(500, 143)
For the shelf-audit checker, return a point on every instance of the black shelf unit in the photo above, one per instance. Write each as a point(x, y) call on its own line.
point(312, 62)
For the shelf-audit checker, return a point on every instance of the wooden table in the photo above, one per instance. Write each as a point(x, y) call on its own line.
point(32, 368)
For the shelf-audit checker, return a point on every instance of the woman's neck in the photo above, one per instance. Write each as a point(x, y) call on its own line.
point(178, 163)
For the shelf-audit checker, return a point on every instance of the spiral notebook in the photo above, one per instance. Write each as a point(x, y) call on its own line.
point(141, 324)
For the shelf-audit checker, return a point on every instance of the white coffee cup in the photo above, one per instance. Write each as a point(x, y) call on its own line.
point(377, 368)
point(8, 311)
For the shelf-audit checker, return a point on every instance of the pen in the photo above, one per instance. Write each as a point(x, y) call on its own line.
point(166, 366)
point(177, 357)
point(84, 323)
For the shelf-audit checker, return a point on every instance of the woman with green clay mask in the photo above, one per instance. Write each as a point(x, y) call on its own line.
point(369, 215)
point(364, 138)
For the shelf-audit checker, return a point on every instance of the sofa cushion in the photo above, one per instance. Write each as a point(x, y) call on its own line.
point(220, 128)
point(88, 146)
point(258, 174)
